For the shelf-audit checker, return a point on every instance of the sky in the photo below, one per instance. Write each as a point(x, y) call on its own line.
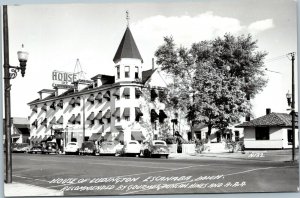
point(55, 35)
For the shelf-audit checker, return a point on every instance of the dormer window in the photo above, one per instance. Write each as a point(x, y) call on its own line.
point(136, 72)
point(127, 71)
point(118, 71)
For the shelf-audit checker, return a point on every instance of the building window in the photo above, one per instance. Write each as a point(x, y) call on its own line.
point(127, 71)
point(136, 72)
point(262, 133)
point(237, 136)
point(153, 94)
point(290, 137)
point(118, 71)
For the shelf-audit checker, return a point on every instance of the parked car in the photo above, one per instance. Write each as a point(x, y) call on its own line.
point(20, 147)
point(37, 148)
point(88, 148)
point(155, 148)
point(72, 147)
point(132, 147)
point(51, 147)
point(107, 148)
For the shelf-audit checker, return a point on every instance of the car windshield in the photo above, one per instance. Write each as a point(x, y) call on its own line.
point(72, 143)
point(108, 143)
point(159, 143)
point(88, 144)
point(51, 144)
point(132, 142)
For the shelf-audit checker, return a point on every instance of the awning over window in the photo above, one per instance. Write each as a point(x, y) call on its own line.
point(72, 119)
point(107, 95)
point(34, 109)
point(44, 138)
point(60, 120)
point(91, 116)
point(72, 101)
point(31, 138)
point(162, 115)
point(137, 135)
point(117, 112)
point(108, 136)
point(44, 107)
point(153, 94)
point(35, 123)
point(154, 115)
point(126, 112)
point(117, 92)
point(107, 114)
point(126, 91)
point(138, 92)
point(53, 121)
point(44, 122)
point(52, 106)
point(99, 96)
point(60, 104)
point(95, 137)
point(120, 136)
point(99, 116)
point(91, 98)
point(77, 101)
point(138, 112)
point(39, 139)
point(78, 118)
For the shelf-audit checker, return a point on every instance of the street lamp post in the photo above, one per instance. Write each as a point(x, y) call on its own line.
point(22, 56)
point(291, 102)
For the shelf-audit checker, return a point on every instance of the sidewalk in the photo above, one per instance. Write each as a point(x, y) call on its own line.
point(273, 155)
point(18, 189)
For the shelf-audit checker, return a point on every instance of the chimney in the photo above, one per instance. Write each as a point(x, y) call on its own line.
point(268, 111)
point(152, 63)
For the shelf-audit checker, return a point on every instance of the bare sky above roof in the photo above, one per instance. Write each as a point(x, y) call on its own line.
point(56, 35)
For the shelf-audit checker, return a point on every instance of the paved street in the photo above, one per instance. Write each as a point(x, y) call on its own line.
point(110, 175)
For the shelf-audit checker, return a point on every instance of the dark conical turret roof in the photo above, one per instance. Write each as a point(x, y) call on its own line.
point(127, 48)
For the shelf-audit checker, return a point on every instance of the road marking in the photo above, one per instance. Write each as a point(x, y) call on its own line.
point(251, 170)
point(132, 166)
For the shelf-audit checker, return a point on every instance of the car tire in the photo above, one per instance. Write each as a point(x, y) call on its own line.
point(167, 156)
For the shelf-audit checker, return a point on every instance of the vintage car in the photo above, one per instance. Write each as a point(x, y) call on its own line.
point(37, 148)
point(50, 147)
point(155, 148)
point(88, 148)
point(20, 147)
point(107, 148)
point(72, 147)
point(132, 147)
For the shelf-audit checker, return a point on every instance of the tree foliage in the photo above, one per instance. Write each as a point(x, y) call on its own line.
point(213, 80)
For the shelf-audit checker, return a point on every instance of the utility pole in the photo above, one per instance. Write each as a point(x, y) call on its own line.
point(293, 105)
point(7, 87)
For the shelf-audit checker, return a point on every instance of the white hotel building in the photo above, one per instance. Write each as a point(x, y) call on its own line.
point(126, 106)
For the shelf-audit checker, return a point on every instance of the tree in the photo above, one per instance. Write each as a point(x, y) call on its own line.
point(213, 80)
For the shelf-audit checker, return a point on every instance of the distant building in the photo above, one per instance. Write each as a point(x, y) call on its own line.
point(19, 130)
point(271, 131)
point(127, 106)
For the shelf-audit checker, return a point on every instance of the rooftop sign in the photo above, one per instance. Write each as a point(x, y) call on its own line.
point(63, 79)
